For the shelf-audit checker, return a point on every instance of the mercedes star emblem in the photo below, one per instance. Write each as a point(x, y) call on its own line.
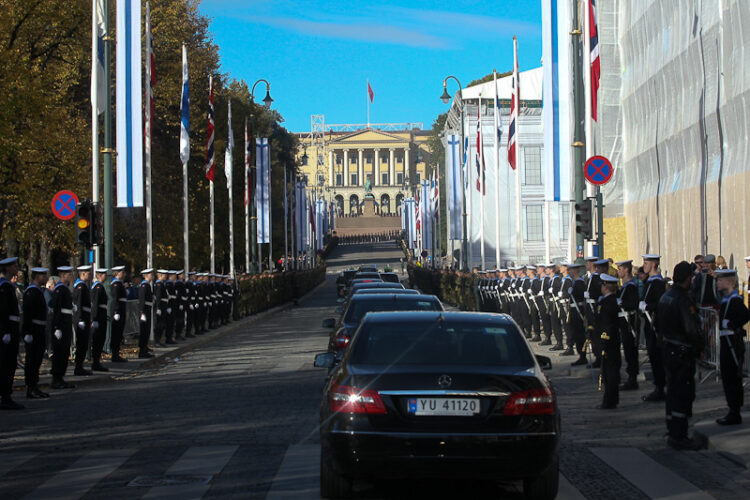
point(445, 381)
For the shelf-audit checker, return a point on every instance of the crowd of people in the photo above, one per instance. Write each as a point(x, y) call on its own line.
point(369, 238)
point(75, 315)
point(598, 311)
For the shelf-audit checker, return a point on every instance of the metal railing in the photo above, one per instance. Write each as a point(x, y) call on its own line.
point(709, 359)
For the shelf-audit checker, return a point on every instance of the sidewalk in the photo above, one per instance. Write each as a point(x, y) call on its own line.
point(162, 355)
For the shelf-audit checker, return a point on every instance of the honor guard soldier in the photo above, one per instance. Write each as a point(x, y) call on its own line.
point(145, 306)
point(592, 294)
point(10, 332)
point(120, 309)
point(543, 304)
point(655, 288)
point(161, 303)
point(82, 317)
point(704, 285)
point(577, 317)
point(732, 316)
point(556, 301)
point(99, 315)
point(627, 301)
point(532, 288)
point(62, 327)
point(189, 293)
point(180, 289)
point(679, 326)
point(609, 333)
point(33, 331)
point(171, 317)
point(566, 287)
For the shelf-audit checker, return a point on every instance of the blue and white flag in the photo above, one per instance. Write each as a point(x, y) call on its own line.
point(425, 215)
point(129, 105)
point(411, 222)
point(263, 189)
point(453, 185)
point(185, 110)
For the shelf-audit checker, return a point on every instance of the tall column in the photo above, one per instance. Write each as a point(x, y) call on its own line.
point(346, 167)
point(391, 168)
point(407, 170)
point(376, 167)
point(331, 180)
point(361, 169)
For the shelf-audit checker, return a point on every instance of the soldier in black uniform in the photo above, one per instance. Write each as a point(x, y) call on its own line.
point(577, 317)
point(189, 301)
point(592, 294)
point(543, 304)
point(171, 316)
point(678, 324)
point(704, 285)
point(609, 333)
point(180, 288)
point(61, 327)
point(732, 316)
point(82, 317)
point(145, 306)
point(120, 308)
point(161, 303)
point(9, 333)
point(532, 286)
point(556, 305)
point(655, 288)
point(99, 315)
point(33, 330)
point(628, 304)
point(565, 307)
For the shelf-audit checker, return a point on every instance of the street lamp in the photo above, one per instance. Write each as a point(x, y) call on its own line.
point(446, 98)
point(252, 216)
point(266, 100)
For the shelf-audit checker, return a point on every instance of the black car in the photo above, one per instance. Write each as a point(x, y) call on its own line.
point(390, 277)
point(363, 303)
point(438, 395)
point(368, 275)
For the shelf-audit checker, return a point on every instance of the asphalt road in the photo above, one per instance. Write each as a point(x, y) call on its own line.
point(237, 418)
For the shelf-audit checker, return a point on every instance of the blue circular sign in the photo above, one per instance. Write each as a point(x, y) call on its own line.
point(64, 205)
point(598, 170)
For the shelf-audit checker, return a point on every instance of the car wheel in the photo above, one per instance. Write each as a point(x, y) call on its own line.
point(544, 486)
point(333, 485)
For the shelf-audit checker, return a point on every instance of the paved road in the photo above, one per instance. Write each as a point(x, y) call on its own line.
point(237, 419)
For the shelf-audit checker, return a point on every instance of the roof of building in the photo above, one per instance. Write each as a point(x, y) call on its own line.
point(531, 87)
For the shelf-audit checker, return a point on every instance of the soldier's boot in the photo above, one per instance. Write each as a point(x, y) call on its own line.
point(631, 384)
point(569, 351)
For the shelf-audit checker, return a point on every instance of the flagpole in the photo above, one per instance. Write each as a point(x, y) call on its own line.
point(587, 121)
point(480, 180)
point(547, 233)
point(95, 113)
point(211, 229)
point(497, 172)
point(247, 201)
point(147, 156)
point(367, 98)
point(185, 151)
point(516, 78)
point(286, 226)
point(107, 150)
point(228, 171)
point(270, 214)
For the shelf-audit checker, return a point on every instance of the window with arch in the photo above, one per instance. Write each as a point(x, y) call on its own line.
point(385, 204)
point(353, 204)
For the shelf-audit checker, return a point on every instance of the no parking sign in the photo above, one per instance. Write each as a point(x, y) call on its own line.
point(598, 170)
point(64, 205)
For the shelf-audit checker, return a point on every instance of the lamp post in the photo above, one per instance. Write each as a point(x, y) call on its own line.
point(446, 98)
point(251, 219)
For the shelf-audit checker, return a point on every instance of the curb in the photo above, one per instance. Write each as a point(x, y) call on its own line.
point(164, 357)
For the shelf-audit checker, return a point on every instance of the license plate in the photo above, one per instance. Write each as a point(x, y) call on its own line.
point(444, 407)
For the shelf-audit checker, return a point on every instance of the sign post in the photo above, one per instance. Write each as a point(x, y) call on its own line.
point(598, 171)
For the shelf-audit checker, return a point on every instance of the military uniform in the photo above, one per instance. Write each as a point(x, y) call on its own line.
point(99, 310)
point(171, 311)
point(82, 319)
point(9, 337)
point(33, 330)
point(577, 318)
point(62, 331)
point(119, 316)
point(181, 303)
point(609, 333)
point(145, 306)
point(161, 303)
point(592, 294)
point(554, 292)
point(627, 302)
point(655, 288)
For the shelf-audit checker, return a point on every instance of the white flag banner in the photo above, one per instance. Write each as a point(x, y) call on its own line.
point(263, 189)
point(302, 216)
point(453, 185)
point(228, 153)
point(320, 214)
point(425, 213)
point(129, 105)
point(98, 83)
point(411, 222)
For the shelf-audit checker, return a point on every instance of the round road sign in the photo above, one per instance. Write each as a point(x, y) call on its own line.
point(598, 170)
point(64, 205)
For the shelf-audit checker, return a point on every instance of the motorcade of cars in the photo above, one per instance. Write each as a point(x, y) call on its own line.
point(438, 395)
point(390, 277)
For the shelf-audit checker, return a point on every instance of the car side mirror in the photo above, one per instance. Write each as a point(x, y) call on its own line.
point(325, 360)
point(329, 323)
point(545, 363)
point(339, 310)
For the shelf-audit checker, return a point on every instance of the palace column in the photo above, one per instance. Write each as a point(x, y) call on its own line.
point(331, 180)
point(376, 167)
point(407, 170)
point(391, 169)
point(361, 170)
point(346, 167)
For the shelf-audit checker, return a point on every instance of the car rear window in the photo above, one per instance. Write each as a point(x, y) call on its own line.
point(358, 309)
point(440, 343)
point(391, 278)
point(367, 276)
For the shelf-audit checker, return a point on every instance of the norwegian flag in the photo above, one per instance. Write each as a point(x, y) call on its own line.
point(417, 215)
point(150, 82)
point(596, 69)
point(210, 159)
point(515, 103)
point(479, 160)
point(370, 93)
point(312, 217)
point(436, 197)
point(248, 170)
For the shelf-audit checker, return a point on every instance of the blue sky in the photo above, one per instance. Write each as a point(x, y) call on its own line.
point(318, 55)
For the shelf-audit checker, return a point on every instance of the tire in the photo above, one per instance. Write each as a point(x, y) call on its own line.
point(333, 485)
point(544, 486)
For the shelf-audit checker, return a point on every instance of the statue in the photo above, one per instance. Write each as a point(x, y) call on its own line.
point(368, 186)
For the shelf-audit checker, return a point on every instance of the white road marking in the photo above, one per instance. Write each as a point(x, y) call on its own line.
point(649, 476)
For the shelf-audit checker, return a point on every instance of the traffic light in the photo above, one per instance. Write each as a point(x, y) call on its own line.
point(97, 224)
point(84, 219)
point(584, 221)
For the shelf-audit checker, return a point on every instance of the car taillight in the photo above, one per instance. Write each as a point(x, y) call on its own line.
point(533, 402)
point(347, 399)
point(341, 341)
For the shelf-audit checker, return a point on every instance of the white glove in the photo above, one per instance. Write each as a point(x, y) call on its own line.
point(549, 290)
point(158, 312)
point(530, 292)
point(642, 306)
point(725, 324)
point(58, 334)
point(143, 318)
point(586, 295)
point(191, 307)
point(169, 310)
point(6, 338)
point(116, 317)
point(81, 325)
point(619, 302)
point(28, 339)
point(559, 294)
point(95, 324)
point(541, 293)
point(181, 308)
point(75, 308)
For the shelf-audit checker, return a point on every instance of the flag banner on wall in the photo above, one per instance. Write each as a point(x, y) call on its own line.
point(425, 212)
point(411, 228)
point(129, 105)
point(263, 189)
point(453, 185)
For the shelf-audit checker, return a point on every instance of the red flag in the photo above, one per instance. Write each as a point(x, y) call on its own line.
point(210, 146)
point(480, 150)
point(248, 170)
point(596, 70)
point(312, 218)
point(370, 92)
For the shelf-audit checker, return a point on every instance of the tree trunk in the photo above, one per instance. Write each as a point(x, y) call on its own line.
point(46, 254)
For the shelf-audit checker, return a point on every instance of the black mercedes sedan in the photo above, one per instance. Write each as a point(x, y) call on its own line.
point(438, 395)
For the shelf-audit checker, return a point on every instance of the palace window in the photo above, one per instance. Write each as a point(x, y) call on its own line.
point(385, 179)
point(304, 160)
point(534, 227)
point(533, 166)
point(419, 178)
point(354, 180)
point(564, 221)
point(339, 179)
point(400, 179)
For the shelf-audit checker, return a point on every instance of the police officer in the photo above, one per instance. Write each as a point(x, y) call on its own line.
point(577, 317)
point(609, 333)
point(627, 301)
point(33, 331)
point(145, 306)
point(99, 315)
point(120, 309)
point(655, 288)
point(82, 317)
point(61, 327)
point(678, 324)
point(9, 332)
point(732, 316)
